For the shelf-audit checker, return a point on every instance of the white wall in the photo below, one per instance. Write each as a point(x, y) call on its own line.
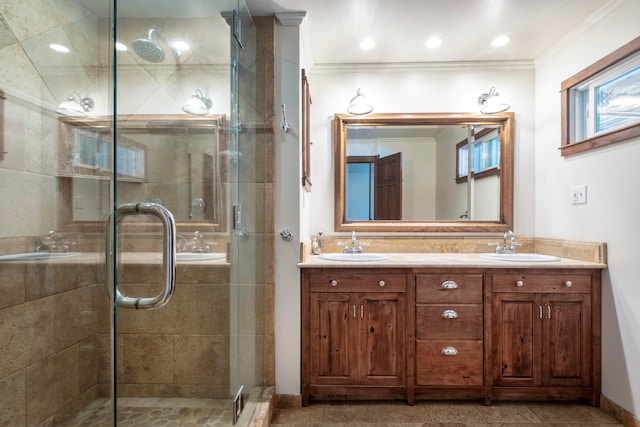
point(287, 209)
point(612, 209)
point(424, 88)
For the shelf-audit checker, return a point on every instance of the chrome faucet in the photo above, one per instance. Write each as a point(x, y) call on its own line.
point(356, 248)
point(53, 242)
point(198, 245)
point(508, 243)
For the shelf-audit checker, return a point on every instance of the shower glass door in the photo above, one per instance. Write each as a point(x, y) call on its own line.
point(180, 330)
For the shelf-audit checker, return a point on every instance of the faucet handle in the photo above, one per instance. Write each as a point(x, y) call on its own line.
point(361, 243)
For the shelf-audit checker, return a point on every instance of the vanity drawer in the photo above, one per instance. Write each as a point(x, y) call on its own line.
point(460, 366)
point(571, 282)
point(447, 288)
point(449, 321)
point(357, 282)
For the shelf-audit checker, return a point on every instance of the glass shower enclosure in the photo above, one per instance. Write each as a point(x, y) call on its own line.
point(131, 260)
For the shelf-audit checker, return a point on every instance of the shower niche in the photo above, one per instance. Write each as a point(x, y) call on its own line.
point(168, 159)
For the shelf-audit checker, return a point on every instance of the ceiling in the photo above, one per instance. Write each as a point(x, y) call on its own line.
point(333, 28)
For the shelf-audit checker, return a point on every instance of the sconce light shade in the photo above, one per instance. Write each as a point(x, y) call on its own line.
point(358, 105)
point(75, 106)
point(198, 104)
point(492, 102)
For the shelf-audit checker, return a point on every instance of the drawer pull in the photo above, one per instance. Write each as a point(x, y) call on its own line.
point(568, 283)
point(450, 314)
point(381, 283)
point(449, 351)
point(449, 284)
point(519, 283)
point(333, 282)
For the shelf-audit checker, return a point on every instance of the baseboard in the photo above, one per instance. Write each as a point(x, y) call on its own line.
point(618, 412)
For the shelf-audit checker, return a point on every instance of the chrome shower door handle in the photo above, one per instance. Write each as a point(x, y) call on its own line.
point(168, 258)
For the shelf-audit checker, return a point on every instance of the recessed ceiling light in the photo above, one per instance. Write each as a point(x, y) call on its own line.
point(59, 48)
point(367, 44)
point(180, 45)
point(121, 47)
point(500, 41)
point(434, 42)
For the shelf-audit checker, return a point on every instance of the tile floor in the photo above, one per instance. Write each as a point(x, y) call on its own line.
point(434, 413)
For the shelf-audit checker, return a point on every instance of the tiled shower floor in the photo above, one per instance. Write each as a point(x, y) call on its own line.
point(450, 414)
point(143, 412)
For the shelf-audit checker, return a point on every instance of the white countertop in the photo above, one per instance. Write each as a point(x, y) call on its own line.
point(444, 260)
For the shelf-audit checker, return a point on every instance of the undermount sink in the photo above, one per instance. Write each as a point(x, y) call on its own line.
point(37, 255)
point(359, 257)
point(197, 256)
point(522, 257)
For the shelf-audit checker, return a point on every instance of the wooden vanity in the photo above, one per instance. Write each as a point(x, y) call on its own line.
point(451, 326)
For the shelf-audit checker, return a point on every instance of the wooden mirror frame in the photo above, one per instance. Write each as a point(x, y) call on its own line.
point(505, 120)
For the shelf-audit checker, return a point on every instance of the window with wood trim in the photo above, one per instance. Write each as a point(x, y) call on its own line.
point(601, 104)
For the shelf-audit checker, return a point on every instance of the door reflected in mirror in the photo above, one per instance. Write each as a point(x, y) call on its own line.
point(424, 172)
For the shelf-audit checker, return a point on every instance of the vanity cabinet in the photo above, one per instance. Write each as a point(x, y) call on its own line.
point(546, 334)
point(353, 332)
point(488, 333)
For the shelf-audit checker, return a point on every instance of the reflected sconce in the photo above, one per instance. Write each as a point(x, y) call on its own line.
point(75, 106)
point(358, 105)
point(492, 102)
point(198, 104)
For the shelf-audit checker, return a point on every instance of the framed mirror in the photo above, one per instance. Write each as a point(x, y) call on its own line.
point(424, 172)
point(189, 182)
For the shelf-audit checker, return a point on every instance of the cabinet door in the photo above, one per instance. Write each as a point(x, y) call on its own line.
point(567, 340)
point(517, 339)
point(381, 339)
point(331, 342)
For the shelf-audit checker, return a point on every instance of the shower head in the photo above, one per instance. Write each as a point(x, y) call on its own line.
point(147, 49)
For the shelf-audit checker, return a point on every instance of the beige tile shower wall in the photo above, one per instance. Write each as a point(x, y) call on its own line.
point(181, 350)
point(48, 325)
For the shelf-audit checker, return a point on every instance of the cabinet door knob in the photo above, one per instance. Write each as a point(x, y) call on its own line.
point(568, 283)
point(449, 284)
point(520, 283)
point(450, 314)
point(333, 282)
point(381, 283)
point(449, 351)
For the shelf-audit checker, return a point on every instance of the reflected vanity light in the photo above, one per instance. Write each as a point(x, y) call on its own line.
point(358, 105)
point(198, 104)
point(75, 106)
point(492, 102)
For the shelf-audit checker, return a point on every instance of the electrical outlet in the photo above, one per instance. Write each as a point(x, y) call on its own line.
point(579, 195)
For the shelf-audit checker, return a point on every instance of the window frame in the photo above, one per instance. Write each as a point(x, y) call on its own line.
point(482, 136)
point(568, 110)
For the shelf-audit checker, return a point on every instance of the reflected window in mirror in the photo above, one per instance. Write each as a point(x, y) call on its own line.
point(484, 156)
point(397, 172)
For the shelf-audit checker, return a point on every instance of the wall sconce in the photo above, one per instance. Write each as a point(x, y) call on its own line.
point(492, 102)
point(358, 105)
point(198, 104)
point(75, 106)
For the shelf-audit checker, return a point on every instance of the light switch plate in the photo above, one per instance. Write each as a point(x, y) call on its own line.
point(579, 195)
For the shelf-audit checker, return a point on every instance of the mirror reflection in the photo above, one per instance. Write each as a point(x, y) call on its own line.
point(422, 171)
point(171, 160)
